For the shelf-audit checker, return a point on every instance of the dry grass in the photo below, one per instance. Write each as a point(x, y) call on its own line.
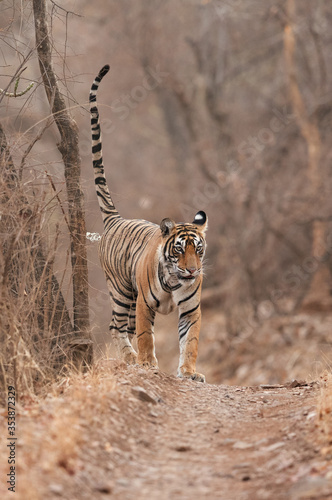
point(53, 429)
point(33, 318)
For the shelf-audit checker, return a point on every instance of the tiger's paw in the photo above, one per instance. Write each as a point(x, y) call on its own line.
point(131, 358)
point(198, 377)
point(148, 361)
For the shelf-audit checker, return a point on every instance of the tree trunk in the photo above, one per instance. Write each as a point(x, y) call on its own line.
point(69, 150)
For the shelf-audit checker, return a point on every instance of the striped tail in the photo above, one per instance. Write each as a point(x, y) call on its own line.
point(105, 201)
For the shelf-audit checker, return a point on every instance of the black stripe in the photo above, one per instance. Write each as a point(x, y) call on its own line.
point(120, 314)
point(140, 335)
point(188, 312)
point(153, 295)
point(114, 327)
point(98, 163)
point(96, 148)
point(107, 203)
point(147, 305)
point(189, 296)
point(121, 304)
point(187, 330)
point(104, 70)
point(100, 181)
point(183, 331)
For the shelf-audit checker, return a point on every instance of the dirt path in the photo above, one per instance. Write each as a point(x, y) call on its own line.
point(126, 433)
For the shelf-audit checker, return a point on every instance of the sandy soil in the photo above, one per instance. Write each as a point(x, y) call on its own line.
point(127, 433)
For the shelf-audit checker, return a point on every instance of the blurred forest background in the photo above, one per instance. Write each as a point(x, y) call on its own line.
point(222, 106)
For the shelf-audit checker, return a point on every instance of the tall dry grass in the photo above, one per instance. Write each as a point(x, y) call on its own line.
point(35, 325)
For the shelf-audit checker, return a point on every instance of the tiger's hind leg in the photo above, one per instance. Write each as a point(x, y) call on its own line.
point(118, 328)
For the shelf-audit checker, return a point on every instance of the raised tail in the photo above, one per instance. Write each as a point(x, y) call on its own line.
point(105, 201)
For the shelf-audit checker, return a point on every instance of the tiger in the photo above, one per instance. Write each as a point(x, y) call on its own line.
point(149, 269)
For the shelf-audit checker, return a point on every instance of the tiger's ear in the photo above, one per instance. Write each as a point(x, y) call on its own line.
point(166, 226)
point(201, 221)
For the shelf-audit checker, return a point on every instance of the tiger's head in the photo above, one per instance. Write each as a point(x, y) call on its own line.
point(184, 246)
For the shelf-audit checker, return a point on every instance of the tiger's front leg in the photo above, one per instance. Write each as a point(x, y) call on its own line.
point(145, 334)
point(189, 328)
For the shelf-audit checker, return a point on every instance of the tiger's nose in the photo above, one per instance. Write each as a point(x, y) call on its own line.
point(191, 270)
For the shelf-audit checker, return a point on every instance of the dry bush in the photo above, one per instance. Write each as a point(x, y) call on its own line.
point(33, 318)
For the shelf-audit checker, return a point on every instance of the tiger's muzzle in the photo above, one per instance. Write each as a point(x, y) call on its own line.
point(190, 273)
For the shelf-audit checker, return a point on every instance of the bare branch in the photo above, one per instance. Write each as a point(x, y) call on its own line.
point(16, 75)
point(40, 134)
point(65, 10)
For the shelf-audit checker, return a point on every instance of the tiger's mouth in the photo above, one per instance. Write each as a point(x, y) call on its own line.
point(185, 276)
